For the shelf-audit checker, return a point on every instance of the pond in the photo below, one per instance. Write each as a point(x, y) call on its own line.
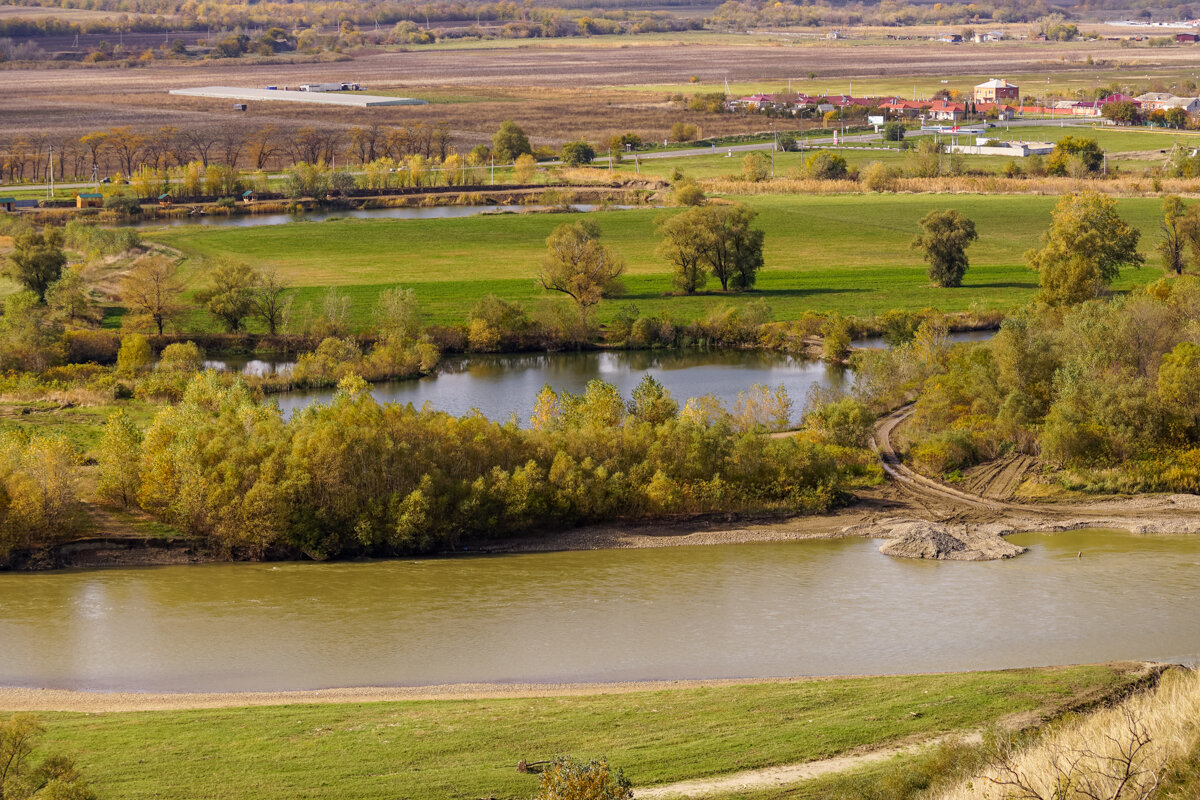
point(408, 212)
point(501, 386)
point(746, 611)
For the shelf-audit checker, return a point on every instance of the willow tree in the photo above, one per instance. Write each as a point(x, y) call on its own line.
point(1084, 249)
point(944, 238)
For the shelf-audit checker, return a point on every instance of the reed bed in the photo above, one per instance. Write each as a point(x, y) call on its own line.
point(1125, 752)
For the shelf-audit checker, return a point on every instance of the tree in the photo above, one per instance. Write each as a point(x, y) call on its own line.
point(1123, 111)
point(579, 266)
point(232, 294)
point(1084, 249)
point(825, 166)
point(756, 167)
point(1088, 151)
point(680, 246)
point(119, 474)
point(651, 403)
point(713, 240)
point(37, 260)
point(944, 240)
point(151, 289)
point(70, 299)
point(575, 154)
point(1172, 238)
point(397, 317)
point(683, 132)
point(1179, 381)
point(135, 354)
point(55, 778)
point(893, 132)
point(524, 168)
point(272, 300)
point(731, 247)
point(509, 142)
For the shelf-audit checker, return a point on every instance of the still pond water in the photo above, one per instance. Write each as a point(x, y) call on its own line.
point(501, 386)
point(757, 610)
point(410, 212)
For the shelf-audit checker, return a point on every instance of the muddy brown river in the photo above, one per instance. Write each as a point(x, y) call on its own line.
point(756, 610)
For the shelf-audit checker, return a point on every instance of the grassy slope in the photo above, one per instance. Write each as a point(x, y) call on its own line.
point(468, 748)
point(848, 253)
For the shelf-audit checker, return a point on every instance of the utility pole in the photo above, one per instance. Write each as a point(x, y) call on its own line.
point(493, 170)
point(50, 196)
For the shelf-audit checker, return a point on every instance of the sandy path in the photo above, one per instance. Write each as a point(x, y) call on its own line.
point(771, 777)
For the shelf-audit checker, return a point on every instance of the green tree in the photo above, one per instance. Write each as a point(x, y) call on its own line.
point(135, 354)
point(925, 160)
point(567, 779)
point(943, 242)
point(731, 246)
point(70, 300)
point(509, 142)
point(1172, 238)
point(30, 335)
point(119, 473)
point(231, 297)
point(651, 402)
point(579, 266)
point(893, 132)
point(835, 338)
point(1087, 151)
point(756, 167)
point(182, 357)
point(713, 240)
point(1179, 381)
point(681, 248)
point(845, 422)
point(1084, 249)
point(575, 154)
point(824, 165)
point(37, 260)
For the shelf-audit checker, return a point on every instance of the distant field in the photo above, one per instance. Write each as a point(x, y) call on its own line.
point(848, 253)
point(469, 748)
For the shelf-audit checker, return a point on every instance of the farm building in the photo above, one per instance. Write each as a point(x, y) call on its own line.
point(330, 87)
point(89, 200)
point(319, 96)
point(1187, 38)
point(8, 203)
point(996, 91)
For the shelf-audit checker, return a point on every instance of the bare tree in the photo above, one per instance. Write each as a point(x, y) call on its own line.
point(272, 301)
point(201, 142)
point(152, 289)
point(263, 144)
point(1121, 767)
point(230, 141)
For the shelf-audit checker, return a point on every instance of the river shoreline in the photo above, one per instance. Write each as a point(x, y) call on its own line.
point(906, 529)
point(19, 699)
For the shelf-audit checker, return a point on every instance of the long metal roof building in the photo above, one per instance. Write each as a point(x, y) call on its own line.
point(323, 98)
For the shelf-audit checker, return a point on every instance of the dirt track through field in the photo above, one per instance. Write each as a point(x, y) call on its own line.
point(785, 775)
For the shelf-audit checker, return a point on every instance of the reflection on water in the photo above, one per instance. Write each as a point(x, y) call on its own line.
point(797, 608)
point(502, 386)
point(412, 212)
point(243, 365)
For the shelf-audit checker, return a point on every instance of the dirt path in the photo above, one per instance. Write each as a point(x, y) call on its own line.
point(772, 777)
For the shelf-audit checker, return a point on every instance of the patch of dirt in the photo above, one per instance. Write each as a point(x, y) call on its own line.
point(999, 479)
point(922, 539)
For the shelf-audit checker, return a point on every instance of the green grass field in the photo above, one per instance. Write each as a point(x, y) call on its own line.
point(848, 253)
point(469, 748)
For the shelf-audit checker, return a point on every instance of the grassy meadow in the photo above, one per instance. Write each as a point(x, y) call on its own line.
point(469, 748)
point(846, 253)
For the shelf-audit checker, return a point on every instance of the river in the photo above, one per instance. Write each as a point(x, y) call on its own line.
point(749, 610)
